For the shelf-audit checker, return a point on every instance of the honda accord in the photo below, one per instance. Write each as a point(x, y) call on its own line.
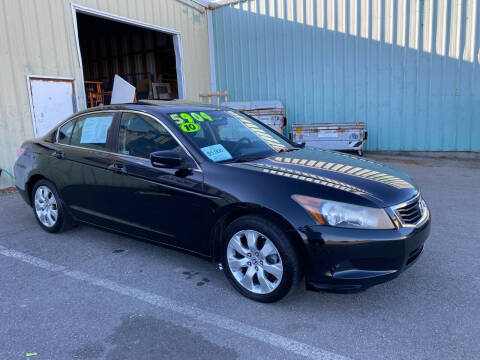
point(220, 184)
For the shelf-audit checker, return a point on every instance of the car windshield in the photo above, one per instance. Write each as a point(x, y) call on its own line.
point(229, 136)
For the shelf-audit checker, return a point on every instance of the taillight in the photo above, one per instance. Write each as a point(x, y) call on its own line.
point(19, 153)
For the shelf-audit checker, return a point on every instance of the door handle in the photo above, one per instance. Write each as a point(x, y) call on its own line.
point(118, 168)
point(58, 154)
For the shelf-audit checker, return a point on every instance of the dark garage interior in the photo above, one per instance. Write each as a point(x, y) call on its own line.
point(143, 57)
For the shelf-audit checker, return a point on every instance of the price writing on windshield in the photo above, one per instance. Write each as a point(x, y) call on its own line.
point(187, 121)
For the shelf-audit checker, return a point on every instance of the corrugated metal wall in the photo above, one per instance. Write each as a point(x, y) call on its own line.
point(408, 68)
point(37, 38)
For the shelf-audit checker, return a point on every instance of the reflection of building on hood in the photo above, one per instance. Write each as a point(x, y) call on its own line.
point(309, 177)
point(348, 170)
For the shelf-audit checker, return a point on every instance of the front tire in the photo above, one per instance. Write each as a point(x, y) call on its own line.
point(259, 259)
point(48, 207)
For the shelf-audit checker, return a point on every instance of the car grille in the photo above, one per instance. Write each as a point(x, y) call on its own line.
point(410, 213)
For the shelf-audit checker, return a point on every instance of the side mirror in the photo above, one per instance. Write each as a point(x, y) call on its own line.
point(167, 159)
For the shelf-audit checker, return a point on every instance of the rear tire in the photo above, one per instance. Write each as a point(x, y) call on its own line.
point(259, 259)
point(48, 207)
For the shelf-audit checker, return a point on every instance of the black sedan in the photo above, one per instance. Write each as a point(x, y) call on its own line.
point(217, 183)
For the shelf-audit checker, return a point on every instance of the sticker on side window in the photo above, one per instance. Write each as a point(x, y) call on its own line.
point(216, 152)
point(95, 130)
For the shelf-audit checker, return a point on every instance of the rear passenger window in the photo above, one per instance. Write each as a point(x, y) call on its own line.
point(91, 131)
point(65, 133)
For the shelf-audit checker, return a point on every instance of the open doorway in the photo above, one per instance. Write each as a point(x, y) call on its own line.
point(147, 58)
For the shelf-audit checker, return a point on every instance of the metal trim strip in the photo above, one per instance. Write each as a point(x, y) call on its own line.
point(114, 153)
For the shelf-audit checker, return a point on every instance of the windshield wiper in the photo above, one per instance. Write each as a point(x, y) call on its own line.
point(245, 159)
point(288, 149)
point(253, 158)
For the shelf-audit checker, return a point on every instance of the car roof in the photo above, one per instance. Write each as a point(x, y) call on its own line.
point(153, 107)
point(156, 106)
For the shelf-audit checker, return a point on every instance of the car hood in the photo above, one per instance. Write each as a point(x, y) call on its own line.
point(369, 179)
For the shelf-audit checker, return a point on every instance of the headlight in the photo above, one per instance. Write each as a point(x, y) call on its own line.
point(334, 213)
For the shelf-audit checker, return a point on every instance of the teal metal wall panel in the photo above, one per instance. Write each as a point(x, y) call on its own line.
point(408, 68)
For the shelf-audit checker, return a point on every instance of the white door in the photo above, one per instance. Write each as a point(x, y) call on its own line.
point(51, 101)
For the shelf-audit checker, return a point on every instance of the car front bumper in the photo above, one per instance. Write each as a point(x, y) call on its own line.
point(346, 260)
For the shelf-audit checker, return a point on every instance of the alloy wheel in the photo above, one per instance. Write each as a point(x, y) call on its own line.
point(254, 261)
point(46, 206)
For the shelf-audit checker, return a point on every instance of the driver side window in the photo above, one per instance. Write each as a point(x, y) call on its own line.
point(141, 135)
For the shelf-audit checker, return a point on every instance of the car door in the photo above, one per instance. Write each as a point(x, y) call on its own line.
point(162, 204)
point(81, 170)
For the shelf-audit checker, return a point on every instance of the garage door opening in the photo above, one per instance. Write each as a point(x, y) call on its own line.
point(148, 59)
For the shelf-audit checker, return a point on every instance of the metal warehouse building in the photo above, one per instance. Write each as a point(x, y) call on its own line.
point(409, 69)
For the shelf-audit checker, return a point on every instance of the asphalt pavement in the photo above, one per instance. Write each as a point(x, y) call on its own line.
point(90, 294)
